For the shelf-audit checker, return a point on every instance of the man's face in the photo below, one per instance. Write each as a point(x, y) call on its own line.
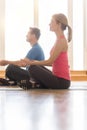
point(30, 36)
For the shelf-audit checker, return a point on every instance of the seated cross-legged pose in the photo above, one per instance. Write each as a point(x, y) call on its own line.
point(59, 78)
point(13, 71)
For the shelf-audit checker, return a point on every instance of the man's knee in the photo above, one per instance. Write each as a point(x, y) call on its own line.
point(9, 70)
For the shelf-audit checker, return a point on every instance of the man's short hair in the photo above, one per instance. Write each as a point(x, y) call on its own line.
point(35, 31)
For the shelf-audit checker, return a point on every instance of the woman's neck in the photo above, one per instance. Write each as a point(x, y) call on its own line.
point(59, 34)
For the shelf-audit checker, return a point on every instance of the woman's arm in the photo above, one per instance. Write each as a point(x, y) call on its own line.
point(58, 48)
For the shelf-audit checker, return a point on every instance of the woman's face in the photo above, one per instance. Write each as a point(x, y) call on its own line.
point(53, 25)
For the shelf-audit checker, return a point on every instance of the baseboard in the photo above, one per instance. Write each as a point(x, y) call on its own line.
point(76, 75)
point(2, 73)
point(78, 72)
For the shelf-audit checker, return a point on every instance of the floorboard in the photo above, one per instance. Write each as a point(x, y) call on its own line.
point(44, 109)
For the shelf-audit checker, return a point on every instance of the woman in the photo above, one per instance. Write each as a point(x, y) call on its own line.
point(59, 78)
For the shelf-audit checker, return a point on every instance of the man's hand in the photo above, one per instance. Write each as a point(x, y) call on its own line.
point(26, 61)
point(3, 62)
point(21, 63)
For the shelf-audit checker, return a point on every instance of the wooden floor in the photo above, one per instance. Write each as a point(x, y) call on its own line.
point(44, 109)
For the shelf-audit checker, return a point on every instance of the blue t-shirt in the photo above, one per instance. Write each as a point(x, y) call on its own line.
point(35, 53)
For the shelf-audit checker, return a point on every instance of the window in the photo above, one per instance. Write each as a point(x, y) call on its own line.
point(19, 17)
point(21, 14)
point(46, 9)
point(78, 35)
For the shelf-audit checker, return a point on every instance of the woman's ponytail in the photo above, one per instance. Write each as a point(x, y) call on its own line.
point(69, 33)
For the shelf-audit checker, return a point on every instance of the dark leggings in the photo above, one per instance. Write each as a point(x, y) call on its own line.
point(39, 73)
point(16, 73)
point(47, 79)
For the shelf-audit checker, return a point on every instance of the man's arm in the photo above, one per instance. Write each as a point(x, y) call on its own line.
point(6, 62)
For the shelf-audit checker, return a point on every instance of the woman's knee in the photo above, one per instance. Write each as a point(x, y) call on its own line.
point(34, 70)
point(32, 67)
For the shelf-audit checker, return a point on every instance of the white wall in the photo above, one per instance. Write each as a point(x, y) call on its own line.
point(85, 34)
point(19, 16)
point(2, 29)
point(70, 19)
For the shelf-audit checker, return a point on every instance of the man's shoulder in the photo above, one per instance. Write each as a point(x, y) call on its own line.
point(37, 46)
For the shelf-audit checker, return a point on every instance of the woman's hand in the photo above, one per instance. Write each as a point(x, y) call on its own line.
point(25, 62)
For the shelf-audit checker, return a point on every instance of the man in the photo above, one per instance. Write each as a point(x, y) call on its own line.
point(16, 73)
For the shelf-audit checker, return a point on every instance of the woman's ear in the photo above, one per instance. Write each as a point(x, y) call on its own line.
point(59, 24)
